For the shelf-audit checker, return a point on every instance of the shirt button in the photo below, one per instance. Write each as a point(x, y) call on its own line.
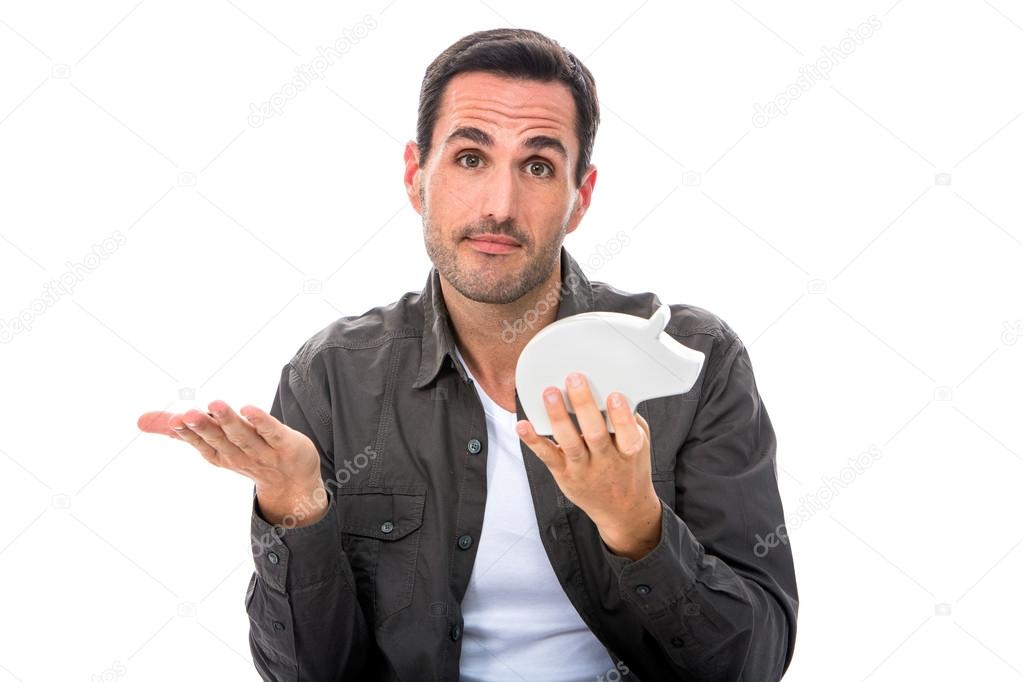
point(642, 589)
point(474, 446)
point(456, 631)
point(676, 641)
point(464, 541)
point(278, 625)
point(386, 527)
point(273, 558)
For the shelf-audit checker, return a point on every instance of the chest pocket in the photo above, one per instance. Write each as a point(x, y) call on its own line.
point(380, 534)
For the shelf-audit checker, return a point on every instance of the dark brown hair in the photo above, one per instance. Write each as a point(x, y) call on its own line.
point(516, 53)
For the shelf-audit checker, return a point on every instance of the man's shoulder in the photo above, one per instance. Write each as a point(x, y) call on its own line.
point(370, 329)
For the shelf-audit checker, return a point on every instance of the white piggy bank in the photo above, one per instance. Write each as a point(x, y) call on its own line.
point(615, 351)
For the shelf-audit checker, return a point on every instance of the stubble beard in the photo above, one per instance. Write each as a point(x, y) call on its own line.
point(494, 281)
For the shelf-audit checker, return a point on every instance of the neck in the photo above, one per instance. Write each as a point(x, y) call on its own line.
point(492, 335)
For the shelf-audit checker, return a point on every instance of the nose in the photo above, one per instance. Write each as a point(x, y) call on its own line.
point(500, 196)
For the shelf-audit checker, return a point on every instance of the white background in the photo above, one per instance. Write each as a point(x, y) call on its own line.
point(866, 245)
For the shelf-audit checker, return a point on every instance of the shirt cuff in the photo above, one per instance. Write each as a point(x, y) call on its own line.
point(666, 573)
point(290, 558)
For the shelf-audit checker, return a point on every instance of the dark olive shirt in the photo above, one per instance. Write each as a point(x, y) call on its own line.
point(372, 591)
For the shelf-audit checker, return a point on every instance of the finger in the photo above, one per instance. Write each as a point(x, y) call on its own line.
point(272, 431)
point(629, 438)
point(238, 431)
point(156, 422)
point(202, 424)
point(177, 424)
point(564, 431)
point(544, 448)
point(591, 422)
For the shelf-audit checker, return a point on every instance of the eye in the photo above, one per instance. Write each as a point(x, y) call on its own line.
point(475, 158)
point(541, 165)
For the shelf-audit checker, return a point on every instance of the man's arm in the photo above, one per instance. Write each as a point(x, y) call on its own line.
point(721, 602)
point(305, 622)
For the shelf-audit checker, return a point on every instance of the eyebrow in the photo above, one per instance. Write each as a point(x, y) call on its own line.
point(483, 138)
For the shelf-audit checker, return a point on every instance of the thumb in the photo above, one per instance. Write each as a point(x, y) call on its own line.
point(266, 425)
point(547, 450)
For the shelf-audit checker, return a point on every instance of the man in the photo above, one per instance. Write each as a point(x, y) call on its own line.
point(408, 523)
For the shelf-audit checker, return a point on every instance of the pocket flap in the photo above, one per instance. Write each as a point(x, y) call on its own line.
point(384, 513)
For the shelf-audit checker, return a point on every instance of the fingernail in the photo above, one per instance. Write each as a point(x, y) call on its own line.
point(552, 396)
point(616, 400)
point(192, 423)
point(575, 380)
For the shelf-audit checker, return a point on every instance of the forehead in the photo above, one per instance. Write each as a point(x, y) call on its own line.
point(506, 106)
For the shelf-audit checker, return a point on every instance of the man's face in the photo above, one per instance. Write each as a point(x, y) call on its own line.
point(501, 163)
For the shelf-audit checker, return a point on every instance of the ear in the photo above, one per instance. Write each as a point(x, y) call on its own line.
point(413, 175)
point(582, 200)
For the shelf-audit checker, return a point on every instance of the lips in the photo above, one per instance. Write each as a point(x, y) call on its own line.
point(496, 238)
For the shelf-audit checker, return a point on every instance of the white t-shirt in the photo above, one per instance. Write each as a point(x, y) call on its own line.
point(518, 621)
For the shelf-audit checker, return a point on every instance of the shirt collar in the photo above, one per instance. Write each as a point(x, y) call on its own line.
point(575, 293)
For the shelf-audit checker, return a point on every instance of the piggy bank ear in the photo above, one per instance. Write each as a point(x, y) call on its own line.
point(658, 321)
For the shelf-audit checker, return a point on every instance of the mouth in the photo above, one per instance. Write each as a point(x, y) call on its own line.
point(498, 238)
point(493, 243)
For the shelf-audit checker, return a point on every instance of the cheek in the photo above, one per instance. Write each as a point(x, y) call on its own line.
point(446, 204)
point(441, 184)
point(548, 206)
point(451, 184)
